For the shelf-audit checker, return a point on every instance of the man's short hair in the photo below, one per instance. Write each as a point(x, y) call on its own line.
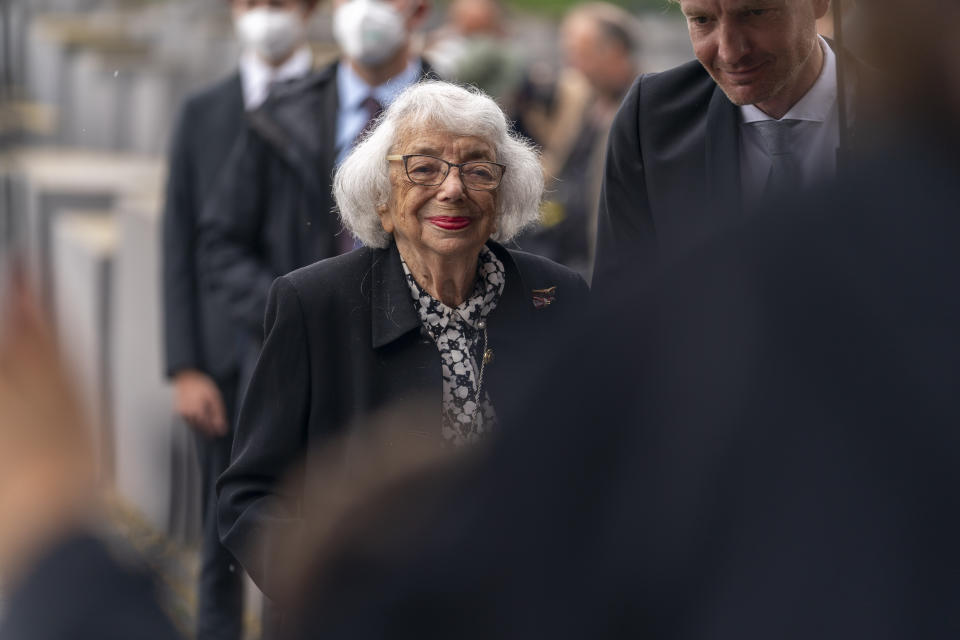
point(616, 25)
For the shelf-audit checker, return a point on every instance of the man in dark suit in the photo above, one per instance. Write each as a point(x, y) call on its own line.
point(273, 210)
point(201, 353)
point(758, 111)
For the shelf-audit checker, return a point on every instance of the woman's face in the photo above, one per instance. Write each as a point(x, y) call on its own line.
point(448, 220)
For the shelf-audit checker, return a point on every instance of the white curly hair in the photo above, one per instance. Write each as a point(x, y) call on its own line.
point(362, 182)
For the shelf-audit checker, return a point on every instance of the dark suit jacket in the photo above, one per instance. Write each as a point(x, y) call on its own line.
point(198, 335)
point(274, 211)
point(343, 339)
point(672, 175)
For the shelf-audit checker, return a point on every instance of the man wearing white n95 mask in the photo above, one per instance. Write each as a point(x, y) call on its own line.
point(202, 358)
point(273, 36)
point(272, 211)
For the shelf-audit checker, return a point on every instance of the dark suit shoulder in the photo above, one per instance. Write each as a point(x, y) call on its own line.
point(299, 118)
point(289, 104)
point(334, 277)
point(538, 272)
point(686, 85)
point(533, 267)
point(212, 113)
point(224, 89)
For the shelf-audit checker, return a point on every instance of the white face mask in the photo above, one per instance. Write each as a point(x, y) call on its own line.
point(369, 31)
point(272, 33)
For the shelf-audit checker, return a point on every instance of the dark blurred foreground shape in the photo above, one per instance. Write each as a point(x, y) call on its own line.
point(57, 581)
point(759, 443)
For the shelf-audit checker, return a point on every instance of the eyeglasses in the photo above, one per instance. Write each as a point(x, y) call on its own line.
point(428, 171)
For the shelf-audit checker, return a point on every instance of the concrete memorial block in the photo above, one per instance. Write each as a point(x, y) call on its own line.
point(65, 53)
point(83, 249)
point(46, 55)
point(14, 54)
point(155, 464)
point(7, 228)
point(95, 109)
point(101, 83)
point(13, 211)
point(58, 179)
point(153, 101)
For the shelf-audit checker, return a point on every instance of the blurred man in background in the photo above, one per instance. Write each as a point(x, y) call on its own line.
point(272, 211)
point(600, 48)
point(474, 47)
point(693, 147)
point(202, 356)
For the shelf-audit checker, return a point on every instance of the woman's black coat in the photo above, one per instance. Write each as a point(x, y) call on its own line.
point(343, 339)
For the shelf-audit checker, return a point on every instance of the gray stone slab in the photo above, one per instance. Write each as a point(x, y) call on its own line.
point(83, 246)
point(155, 95)
point(13, 210)
point(45, 63)
point(7, 222)
point(102, 87)
point(146, 433)
point(58, 179)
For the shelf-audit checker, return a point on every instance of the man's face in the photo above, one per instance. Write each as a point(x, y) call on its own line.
point(761, 52)
point(581, 42)
point(587, 52)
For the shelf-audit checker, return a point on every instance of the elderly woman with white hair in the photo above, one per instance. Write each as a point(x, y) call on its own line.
point(433, 305)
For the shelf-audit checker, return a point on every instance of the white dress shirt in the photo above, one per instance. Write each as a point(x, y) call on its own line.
point(352, 91)
point(817, 135)
point(256, 76)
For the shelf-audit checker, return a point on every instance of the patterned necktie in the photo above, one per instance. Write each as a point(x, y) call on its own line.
point(373, 109)
point(785, 173)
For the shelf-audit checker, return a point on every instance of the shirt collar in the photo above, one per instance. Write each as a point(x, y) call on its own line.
point(353, 90)
point(256, 75)
point(436, 316)
point(816, 104)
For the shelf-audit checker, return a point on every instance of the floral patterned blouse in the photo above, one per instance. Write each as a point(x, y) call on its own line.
point(459, 336)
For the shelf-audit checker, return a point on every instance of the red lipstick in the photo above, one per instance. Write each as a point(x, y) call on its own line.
point(450, 223)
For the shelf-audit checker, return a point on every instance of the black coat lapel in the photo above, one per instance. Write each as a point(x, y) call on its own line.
point(392, 313)
point(299, 122)
point(723, 151)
